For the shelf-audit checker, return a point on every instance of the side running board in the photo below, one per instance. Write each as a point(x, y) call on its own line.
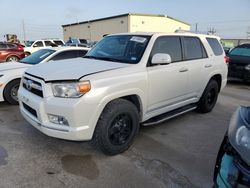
point(169, 115)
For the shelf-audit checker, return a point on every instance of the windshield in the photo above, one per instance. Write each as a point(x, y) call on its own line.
point(120, 48)
point(240, 52)
point(37, 57)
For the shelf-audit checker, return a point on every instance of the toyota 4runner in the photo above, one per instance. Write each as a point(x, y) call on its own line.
point(125, 81)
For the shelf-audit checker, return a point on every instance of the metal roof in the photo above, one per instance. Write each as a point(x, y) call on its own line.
point(123, 15)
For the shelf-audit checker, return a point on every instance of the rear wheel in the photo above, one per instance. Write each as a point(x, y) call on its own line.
point(209, 97)
point(10, 92)
point(117, 127)
point(12, 58)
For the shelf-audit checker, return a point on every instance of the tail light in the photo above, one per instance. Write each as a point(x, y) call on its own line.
point(226, 59)
point(20, 48)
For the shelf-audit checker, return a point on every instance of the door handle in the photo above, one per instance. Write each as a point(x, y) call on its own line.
point(208, 66)
point(183, 70)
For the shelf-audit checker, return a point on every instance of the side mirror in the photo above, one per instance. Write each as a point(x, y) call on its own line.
point(35, 45)
point(161, 58)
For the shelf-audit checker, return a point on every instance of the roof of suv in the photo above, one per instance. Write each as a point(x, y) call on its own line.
point(162, 33)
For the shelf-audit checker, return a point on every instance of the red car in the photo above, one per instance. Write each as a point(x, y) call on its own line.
point(11, 52)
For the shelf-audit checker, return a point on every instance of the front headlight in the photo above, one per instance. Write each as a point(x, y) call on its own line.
point(239, 132)
point(247, 67)
point(243, 137)
point(71, 89)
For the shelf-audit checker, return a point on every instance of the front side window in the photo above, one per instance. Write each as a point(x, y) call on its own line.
point(38, 44)
point(37, 57)
point(215, 45)
point(120, 48)
point(240, 51)
point(193, 48)
point(169, 45)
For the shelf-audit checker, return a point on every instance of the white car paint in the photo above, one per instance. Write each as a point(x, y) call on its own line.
point(33, 48)
point(10, 71)
point(159, 88)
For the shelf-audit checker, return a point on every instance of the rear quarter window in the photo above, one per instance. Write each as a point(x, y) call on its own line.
point(215, 45)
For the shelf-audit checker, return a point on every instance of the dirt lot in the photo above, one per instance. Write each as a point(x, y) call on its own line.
point(178, 153)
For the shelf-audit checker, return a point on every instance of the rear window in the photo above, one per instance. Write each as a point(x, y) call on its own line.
point(215, 45)
point(239, 51)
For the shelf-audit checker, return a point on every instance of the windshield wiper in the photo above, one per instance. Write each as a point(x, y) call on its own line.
point(106, 59)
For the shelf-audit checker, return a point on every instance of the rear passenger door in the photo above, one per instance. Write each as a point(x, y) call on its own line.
point(167, 84)
point(196, 58)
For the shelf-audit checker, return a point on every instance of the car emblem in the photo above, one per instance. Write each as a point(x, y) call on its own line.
point(29, 84)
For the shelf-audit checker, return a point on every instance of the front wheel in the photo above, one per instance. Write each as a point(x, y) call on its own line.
point(10, 92)
point(209, 97)
point(117, 127)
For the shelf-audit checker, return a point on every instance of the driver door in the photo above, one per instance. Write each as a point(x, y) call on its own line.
point(167, 83)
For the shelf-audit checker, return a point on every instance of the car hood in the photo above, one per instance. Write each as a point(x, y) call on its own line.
point(72, 69)
point(12, 65)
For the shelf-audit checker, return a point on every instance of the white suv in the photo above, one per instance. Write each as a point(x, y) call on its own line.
point(126, 80)
point(34, 46)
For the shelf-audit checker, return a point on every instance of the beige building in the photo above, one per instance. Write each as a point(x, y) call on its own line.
point(94, 30)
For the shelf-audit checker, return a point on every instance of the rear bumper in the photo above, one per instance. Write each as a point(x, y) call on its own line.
point(239, 72)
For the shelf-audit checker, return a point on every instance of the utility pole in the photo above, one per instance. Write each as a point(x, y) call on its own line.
point(211, 31)
point(24, 33)
point(196, 27)
point(248, 33)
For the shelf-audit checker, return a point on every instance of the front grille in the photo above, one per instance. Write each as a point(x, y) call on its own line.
point(30, 110)
point(33, 86)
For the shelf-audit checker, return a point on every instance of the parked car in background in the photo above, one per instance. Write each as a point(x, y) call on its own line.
point(11, 73)
point(77, 42)
point(126, 80)
point(232, 168)
point(33, 46)
point(11, 52)
point(239, 62)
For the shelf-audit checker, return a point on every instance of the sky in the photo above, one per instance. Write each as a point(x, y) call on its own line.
point(43, 18)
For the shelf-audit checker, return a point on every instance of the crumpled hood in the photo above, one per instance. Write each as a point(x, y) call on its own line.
point(72, 69)
point(12, 65)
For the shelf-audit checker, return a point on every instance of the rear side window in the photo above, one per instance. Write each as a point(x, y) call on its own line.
point(58, 42)
point(215, 45)
point(47, 43)
point(169, 45)
point(194, 49)
point(82, 53)
point(11, 45)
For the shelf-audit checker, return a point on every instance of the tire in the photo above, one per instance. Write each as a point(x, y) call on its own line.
point(10, 92)
point(12, 58)
point(26, 54)
point(209, 97)
point(117, 127)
